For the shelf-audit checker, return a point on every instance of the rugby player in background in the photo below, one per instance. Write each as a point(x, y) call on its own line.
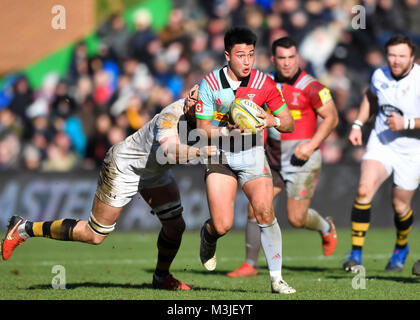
point(243, 158)
point(393, 148)
point(300, 163)
point(141, 163)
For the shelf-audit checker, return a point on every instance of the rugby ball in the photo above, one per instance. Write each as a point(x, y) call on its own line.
point(244, 112)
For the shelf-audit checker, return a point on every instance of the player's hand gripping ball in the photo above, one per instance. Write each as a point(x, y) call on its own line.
point(244, 113)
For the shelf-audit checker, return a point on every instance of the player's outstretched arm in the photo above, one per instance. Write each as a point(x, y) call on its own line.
point(179, 153)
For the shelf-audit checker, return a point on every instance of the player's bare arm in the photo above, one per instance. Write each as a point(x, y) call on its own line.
point(182, 153)
point(397, 122)
point(329, 115)
point(283, 121)
point(355, 135)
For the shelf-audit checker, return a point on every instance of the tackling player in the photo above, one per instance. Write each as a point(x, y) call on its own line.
point(393, 148)
point(243, 162)
point(135, 165)
point(300, 163)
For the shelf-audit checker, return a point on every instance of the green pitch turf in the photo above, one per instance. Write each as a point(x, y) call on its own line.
point(121, 268)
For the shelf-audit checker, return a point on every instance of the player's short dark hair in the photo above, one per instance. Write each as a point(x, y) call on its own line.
point(285, 42)
point(239, 35)
point(400, 39)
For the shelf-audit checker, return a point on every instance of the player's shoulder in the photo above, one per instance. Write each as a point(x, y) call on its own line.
point(307, 82)
point(416, 70)
point(382, 74)
point(261, 80)
point(310, 86)
point(175, 109)
point(211, 80)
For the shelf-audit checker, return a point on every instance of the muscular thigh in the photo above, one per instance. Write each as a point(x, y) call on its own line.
point(157, 196)
point(373, 174)
point(260, 195)
point(165, 202)
point(221, 194)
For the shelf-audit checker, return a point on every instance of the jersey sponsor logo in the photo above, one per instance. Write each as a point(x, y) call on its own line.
point(199, 107)
point(386, 109)
point(219, 116)
point(167, 124)
point(325, 95)
point(296, 114)
point(218, 102)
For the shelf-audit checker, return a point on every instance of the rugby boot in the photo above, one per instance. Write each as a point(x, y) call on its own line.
point(207, 253)
point(281, 286)
point(244, 271)
point(170, 283)
point(397, 260)
point(12, 238)
point(416, 268)
point(355, 259)
point(329, 241)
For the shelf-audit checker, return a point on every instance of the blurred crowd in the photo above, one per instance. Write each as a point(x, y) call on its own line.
point(71, 121)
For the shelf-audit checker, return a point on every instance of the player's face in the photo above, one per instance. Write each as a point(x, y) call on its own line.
point(400, 59)
point(286, 61)
point(240, 60)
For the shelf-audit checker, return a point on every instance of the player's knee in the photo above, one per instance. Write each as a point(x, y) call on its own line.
point(364, 192)
point(221, 228)
point(400, 207)
point(174, 228)
point(296, 221)
point(264, 214)
point(98, 231)
point(96, 239)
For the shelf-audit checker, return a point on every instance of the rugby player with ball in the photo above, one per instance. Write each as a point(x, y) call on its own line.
point(242, 155)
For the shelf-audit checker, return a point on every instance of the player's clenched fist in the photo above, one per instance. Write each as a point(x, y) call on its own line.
point(395, 122)
point(355, 136)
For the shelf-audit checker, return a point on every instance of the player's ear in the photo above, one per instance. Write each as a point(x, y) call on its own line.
point(193, 93)
point(227, 56)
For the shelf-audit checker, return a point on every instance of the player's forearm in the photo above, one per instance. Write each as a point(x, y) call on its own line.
point(181, 153)
point(323, 131)
point(287, 124)
point(364, 111)
point(206, 129)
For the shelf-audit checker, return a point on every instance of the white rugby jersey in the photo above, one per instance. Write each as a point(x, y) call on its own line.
point(142, 150)
point(401, 97)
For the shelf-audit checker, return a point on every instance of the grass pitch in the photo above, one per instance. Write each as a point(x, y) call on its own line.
point(121, 268)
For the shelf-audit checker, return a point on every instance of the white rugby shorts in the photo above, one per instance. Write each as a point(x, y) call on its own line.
point(302, 184)
point(404, 167)
point(118, 183)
